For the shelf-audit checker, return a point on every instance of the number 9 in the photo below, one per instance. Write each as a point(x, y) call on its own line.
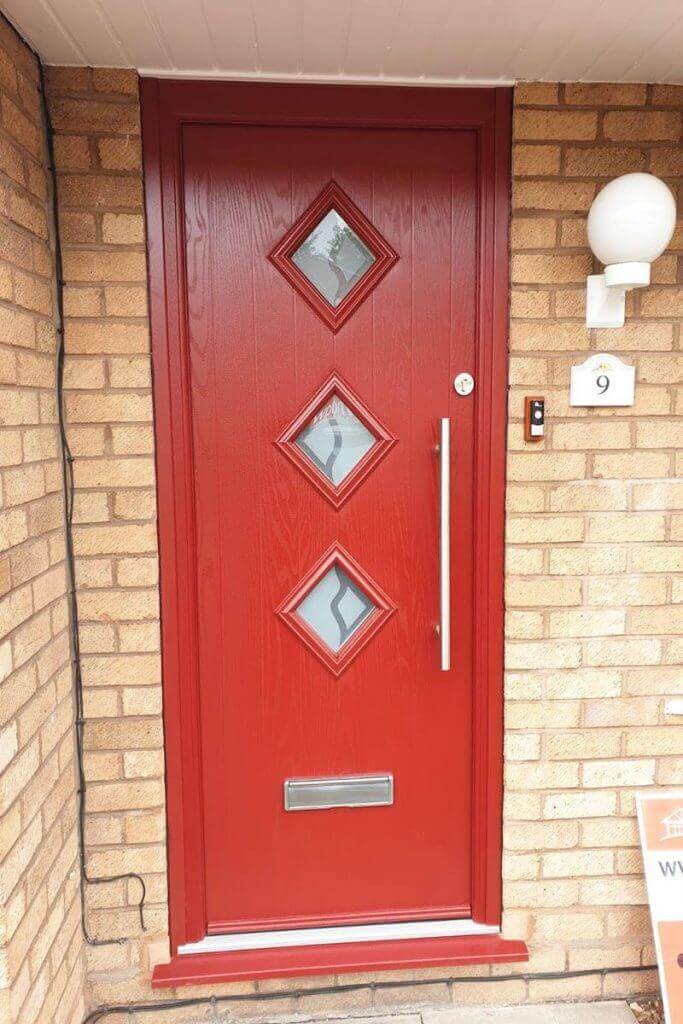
point(602, 383)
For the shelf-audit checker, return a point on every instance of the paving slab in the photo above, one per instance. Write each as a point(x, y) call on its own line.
point(612, 1012)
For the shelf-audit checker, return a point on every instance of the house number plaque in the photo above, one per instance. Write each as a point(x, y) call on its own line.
point(602, 380)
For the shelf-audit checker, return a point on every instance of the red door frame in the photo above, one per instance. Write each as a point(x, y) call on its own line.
point(166, 106)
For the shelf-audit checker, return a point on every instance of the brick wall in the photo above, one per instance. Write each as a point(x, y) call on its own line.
point(95, 117)
point(41, 976)
point(592, 543)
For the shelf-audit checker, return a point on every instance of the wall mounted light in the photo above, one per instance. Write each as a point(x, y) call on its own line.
point(630, 224)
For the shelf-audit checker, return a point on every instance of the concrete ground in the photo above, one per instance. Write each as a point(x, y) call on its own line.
point(616, 1012)
point(548, 1013)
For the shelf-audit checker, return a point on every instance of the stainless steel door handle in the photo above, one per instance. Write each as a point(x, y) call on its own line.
point(444, 630)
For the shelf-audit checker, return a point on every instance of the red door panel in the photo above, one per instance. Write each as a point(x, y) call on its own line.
point(271, 708)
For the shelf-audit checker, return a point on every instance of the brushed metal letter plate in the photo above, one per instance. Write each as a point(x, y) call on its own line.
point(344, 791)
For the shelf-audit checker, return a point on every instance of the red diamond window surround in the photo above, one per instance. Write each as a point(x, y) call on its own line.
point(336, 609)
point(335, 441)
point(350, 233)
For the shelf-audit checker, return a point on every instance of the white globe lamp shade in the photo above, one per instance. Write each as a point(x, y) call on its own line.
point(630, 224)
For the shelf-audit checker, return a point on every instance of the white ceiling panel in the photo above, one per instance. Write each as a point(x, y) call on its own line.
point(407, 41)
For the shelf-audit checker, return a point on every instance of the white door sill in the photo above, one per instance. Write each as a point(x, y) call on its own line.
point(330, 936)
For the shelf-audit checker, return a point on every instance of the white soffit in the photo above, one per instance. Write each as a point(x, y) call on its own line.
point(430, 42)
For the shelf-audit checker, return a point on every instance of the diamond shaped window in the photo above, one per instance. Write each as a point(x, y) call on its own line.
point(335, 441)
point(336, 609)
point(333, 256)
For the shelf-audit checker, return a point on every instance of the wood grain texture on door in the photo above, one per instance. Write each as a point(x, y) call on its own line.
point(269, 710)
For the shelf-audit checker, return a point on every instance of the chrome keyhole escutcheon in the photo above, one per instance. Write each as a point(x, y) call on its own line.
point(463, 384)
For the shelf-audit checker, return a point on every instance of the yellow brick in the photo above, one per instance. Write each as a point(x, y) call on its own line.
point(123, 605)
point(84, 373)
point(82, 301)
point(577, 863)
point(597, 743)
point(550, 268)
point(542, 592)
point(550, 928)
point(561, 196)
point(567, 436)
point(555, 124)
point(106, 339)
point(586, 622)
point(613, 891)
point(588, 496)
point(114, 539)
point(594, 804)
point(603, 161)
point(530, 303)
point(531, 160)
point(622, 832)
point(87, 115)
point(626, 527)
point(121, 154)
point(77, 228)
point(640, 125)
point(533, 232)
point(627, 590)
point(72, 152)
point(610, 774)
point(573, 234)
point(95, 265)
point(546, 466)
point(625, 465)
point(583, 683)
point(548, 336)
point(663, 558)
point(123, 228)
point(667, 434)
point(544, 529)
point(536, 93)
point(590, 94)
point(656, 620)
point(623, 651)
point(582, 988)
point(115, 80)
point(125, 300)
point(542, 776)
point(661, 369)
point(545, 714)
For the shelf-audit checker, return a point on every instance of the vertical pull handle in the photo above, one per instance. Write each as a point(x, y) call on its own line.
point(445, 544)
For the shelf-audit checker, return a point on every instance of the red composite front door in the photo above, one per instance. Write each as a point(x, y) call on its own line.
point(331, 287)
point(329, 304)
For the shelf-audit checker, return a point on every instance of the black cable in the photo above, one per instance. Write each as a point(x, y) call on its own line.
point(180, 1004)
point(68, 479)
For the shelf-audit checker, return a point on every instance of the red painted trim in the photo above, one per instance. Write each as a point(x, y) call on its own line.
point(489, 511)
point(207, 968)
point(166, 106)
point(334, 385)
point(336, 662)
point(333, 197)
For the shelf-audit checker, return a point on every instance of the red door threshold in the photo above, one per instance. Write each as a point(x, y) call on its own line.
point(394, 954)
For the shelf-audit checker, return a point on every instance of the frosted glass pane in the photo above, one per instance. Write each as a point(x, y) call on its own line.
point(335, 440)
point(335, 608)
point(333, 258)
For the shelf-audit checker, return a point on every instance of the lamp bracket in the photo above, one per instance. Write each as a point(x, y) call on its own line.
point(605, 307)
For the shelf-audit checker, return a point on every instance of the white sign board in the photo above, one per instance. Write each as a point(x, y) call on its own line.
point(660, 816)
point(602, 380)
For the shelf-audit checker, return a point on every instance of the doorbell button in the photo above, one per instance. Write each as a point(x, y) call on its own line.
point(534, 418)
point(464, 384)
